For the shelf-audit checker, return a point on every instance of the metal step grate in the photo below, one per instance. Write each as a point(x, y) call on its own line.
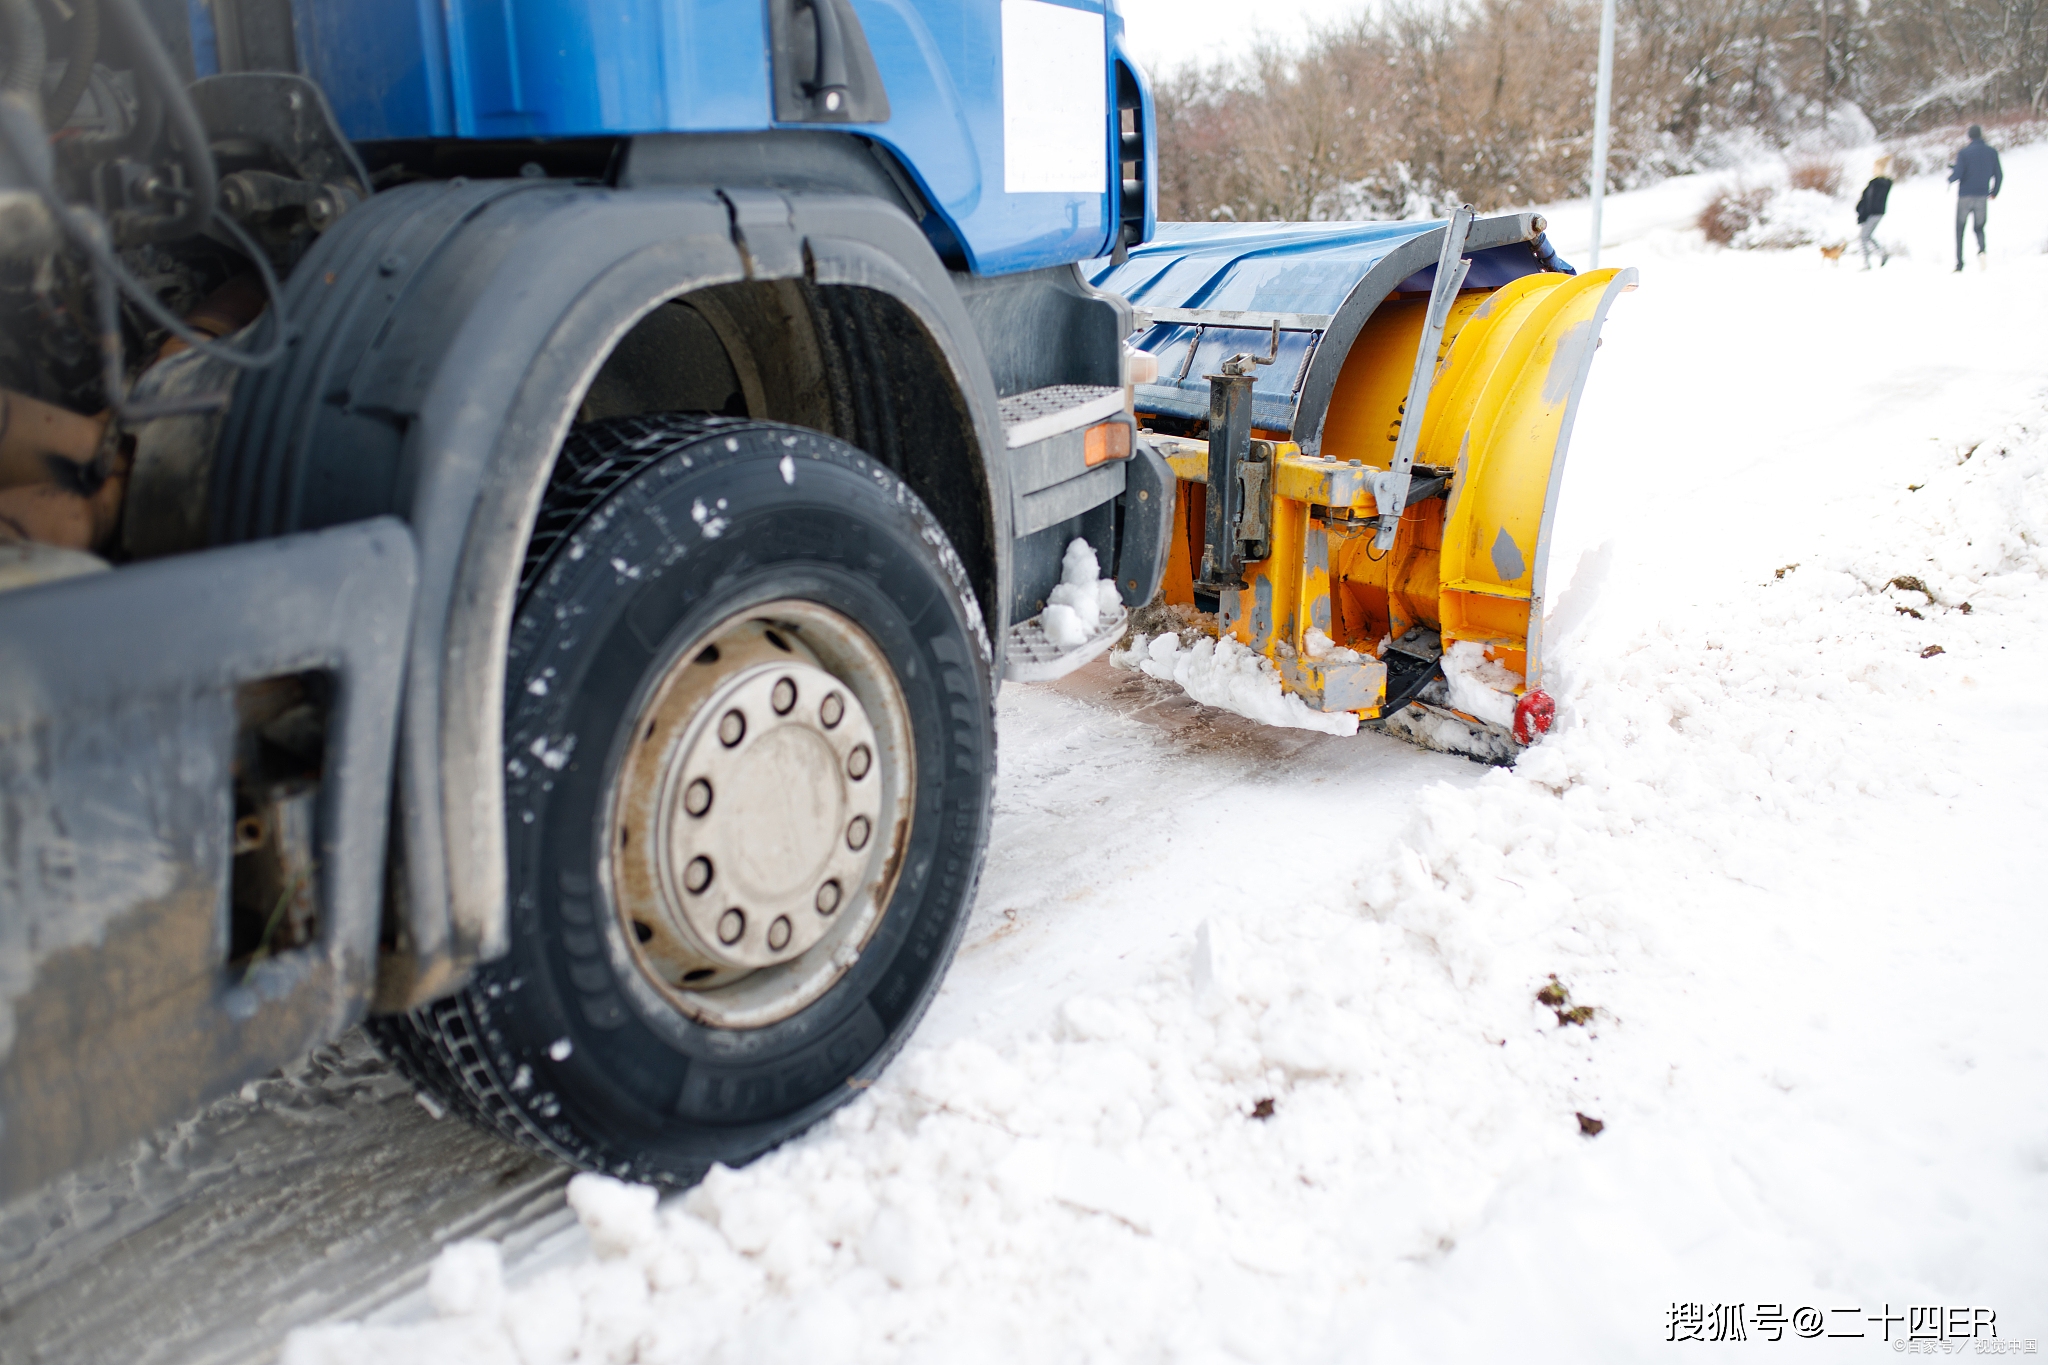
point(1028, 656)
point(1040, 413)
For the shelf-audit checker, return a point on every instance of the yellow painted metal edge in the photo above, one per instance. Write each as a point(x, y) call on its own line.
point(1189, 458)
point(1511, 594)
point(1619, 282)
point(1316, 480)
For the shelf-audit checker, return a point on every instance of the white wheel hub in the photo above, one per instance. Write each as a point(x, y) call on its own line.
point(770, 814)
point(759, 815)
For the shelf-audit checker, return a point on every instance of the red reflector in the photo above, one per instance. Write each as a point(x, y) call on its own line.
point(1106, 441)
point(1534, 711)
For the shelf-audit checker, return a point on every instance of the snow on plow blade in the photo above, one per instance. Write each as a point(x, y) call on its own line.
point(1401, 579)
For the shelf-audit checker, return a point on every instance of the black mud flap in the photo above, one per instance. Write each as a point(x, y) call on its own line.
point(1146, 524)
point(195, 770)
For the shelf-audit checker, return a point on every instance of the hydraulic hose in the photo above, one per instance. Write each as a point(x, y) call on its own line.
point(85, 50)
point(27, 53)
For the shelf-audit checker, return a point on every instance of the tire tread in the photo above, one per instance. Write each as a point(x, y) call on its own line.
point(441, 1046)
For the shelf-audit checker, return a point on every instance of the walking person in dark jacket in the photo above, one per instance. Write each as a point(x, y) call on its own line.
point(1870, 210)
point(1977, 177)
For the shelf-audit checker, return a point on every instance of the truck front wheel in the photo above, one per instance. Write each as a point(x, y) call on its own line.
point(749, 746)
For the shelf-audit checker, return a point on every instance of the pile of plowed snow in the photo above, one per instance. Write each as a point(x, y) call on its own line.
point(1227, 675)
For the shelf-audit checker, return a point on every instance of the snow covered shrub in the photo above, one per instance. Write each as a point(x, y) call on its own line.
point(1762, 218)
point(1733, 209)
point(1822, 174)
point(1794, 218)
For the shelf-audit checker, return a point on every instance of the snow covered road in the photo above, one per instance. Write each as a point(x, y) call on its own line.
point(1243, 1058)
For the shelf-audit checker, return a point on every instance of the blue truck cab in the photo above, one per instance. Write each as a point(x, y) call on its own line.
point(1001, 114)
point(562, 482)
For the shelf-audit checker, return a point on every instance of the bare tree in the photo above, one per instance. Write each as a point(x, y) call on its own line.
point(1419, 103)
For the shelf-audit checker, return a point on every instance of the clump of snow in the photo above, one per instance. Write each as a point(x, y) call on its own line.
point(1478, 686)
point(467, 1277)
point(1225, 674)
point(1076, 606)
point(1321, 649)
point(618, 1217)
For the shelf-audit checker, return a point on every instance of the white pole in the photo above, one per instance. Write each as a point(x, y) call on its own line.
point(1603, 95)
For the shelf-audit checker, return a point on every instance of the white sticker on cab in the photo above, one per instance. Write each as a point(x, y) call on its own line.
point(1055, 100)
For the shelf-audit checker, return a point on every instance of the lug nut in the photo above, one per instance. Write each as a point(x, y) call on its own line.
point(697, 797)
point(697, 875)
point(858, 761)
point(857, 832)
point(831, 710)
point(732, 728)
point(778, 933)
point(731, 925)
point(828, 898)
point(784, 696)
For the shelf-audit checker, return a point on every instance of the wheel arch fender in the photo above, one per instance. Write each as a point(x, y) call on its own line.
point(513, 296)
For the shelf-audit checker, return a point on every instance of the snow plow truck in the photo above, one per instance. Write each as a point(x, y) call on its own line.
point(514, 513)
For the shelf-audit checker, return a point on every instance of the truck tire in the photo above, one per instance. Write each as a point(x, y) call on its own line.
point(749, 747)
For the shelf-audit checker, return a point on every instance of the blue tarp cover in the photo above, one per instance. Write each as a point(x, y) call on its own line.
point(1269, 268)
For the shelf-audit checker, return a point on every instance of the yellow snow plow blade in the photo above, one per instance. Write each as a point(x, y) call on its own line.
point(1354, 615)
point(1501, 423)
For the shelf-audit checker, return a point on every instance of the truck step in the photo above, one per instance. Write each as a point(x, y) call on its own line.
point(1029, 656)
point(1039, 413)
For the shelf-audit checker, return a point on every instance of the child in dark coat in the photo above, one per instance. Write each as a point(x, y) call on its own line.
point(1870, 210)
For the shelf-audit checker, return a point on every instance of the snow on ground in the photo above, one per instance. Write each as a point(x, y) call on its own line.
point(1478, 686)
point(1919, 218)
point(1259, 1072)
point(1225, 674)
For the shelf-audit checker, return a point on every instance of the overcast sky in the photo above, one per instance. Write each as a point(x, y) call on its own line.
point(1166, 33)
